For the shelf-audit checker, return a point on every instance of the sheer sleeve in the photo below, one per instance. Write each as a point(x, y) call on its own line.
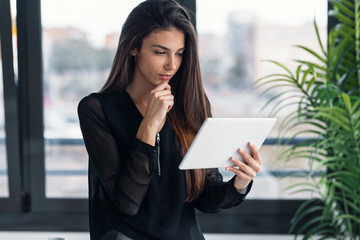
point(217, 194)
point(125, 177)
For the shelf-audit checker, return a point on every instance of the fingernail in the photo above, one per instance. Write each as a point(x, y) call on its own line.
point(227, 169)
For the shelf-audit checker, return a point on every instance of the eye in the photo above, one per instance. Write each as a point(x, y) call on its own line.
point(159, 52)
point(179, 54)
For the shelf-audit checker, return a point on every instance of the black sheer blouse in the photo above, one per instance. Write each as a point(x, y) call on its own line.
point(126, 191)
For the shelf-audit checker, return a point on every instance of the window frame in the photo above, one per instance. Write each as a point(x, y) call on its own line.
point(14, 201)
point(28, 208)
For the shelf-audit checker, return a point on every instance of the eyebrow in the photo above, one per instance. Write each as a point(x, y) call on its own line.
point(165, 48)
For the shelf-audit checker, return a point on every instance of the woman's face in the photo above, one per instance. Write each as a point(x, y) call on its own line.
point(160, 56)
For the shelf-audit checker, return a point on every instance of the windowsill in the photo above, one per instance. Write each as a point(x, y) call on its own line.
point(85, 236)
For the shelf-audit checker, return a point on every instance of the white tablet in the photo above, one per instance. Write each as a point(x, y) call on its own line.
point(219, 139)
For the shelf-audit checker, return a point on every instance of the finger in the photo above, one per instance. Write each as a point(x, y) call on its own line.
point(161, 86)
point(255, 153)
point(167, 98)
point(167, 86)
point(249, 160)
point(161, 93)
point(239, 173)
point(248, 170)
point(167, 102)
point(245, 155)
point(171, 104)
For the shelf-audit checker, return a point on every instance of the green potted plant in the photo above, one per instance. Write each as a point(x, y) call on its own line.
point(327, 93)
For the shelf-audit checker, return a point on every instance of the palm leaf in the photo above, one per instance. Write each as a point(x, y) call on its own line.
point(319, 39)
point(344, 9)
point(313, 65)
point(312, 52)
point(282, 66)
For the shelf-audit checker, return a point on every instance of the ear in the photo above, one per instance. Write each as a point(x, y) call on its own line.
point(133, 52)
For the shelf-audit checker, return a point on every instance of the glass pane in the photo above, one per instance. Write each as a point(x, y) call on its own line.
point(77, 52)
point(232, 46)
point(4, 187)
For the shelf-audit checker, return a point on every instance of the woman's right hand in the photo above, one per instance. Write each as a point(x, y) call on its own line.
point(159, 104)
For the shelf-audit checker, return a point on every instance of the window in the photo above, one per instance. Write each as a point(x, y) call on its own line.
point(77, 55)
point(233, 41)
point(43, 166)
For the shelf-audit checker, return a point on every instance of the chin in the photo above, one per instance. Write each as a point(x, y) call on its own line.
point(160, 82)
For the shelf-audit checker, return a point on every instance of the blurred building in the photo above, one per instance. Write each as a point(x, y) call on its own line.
point(241, 48)
point(211, 57)
point(112, 40)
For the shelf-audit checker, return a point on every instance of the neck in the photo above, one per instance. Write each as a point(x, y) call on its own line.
point(138, 96)
point(139, 90)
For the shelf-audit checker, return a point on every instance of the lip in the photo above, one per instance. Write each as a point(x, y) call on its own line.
point(165, 77)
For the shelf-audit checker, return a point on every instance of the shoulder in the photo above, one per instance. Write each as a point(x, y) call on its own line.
point(89, 103)
point(100, 102)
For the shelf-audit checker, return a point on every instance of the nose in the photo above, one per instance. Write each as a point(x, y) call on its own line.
point(171, 63)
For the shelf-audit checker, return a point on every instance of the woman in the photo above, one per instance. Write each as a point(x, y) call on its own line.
point(139, 126)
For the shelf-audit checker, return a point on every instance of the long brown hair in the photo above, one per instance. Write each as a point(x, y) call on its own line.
point(191, 105)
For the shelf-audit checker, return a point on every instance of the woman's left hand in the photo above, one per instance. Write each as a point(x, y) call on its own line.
point(247, 169)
